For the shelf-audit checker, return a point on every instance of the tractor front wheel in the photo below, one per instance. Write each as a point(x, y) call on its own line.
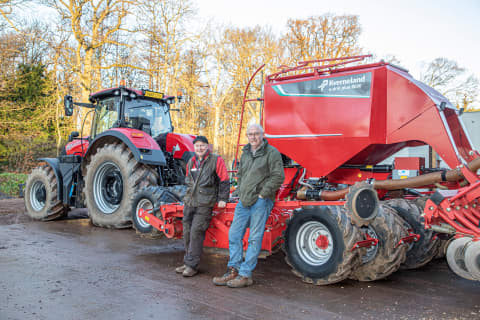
point(318, 243)
point(113, 178)
point(41, 193)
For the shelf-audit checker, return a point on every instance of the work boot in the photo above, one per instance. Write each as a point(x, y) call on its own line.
point(189, 272)
point(240, 282)
point(180, 269)
point(229, 275)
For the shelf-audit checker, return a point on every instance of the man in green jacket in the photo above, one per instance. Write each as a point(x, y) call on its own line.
point(260, 174)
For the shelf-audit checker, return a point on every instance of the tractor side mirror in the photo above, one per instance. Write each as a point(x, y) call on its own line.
point(170, 100)
point(68, 105)
point(73, 135)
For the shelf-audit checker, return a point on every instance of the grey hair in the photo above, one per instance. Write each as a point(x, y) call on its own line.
point(256, 126)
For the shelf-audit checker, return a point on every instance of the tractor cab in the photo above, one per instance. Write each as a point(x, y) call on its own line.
point(126, 109)
point(144, 110)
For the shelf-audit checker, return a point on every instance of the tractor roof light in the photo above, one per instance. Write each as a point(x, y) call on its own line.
point(179, 96)
point(133, 95)
point(171, 100)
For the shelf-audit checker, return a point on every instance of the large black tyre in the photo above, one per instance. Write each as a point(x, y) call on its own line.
point(179, 191)
point(426, 248)
point(388, 228)
point(180, 168)
point(311, 262)
point(41, 193)
point(442, 248)
point(113, 178)
point(150, 198)
point(443, 242)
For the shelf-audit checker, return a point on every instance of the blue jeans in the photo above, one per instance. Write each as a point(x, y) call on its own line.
point(255, 218)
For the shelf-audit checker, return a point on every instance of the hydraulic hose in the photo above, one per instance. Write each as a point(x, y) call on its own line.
point(426, 179)
point(413, 182)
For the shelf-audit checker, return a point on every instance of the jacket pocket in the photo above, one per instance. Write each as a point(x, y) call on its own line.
point(207, 190)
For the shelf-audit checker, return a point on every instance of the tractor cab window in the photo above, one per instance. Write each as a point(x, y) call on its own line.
point(106, 115)
point(150, 116)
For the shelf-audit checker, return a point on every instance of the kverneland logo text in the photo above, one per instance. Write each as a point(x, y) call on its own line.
point(343, 82)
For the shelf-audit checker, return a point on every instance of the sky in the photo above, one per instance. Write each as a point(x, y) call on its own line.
point(414, 31)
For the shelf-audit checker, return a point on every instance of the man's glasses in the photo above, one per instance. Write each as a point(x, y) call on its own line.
point(253, 134)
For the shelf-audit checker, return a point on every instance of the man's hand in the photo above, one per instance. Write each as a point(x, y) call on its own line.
point(222, 204)
point(260, 196)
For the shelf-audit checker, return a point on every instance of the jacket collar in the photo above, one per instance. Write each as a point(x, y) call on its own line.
point(260, 151)
point(198, 163)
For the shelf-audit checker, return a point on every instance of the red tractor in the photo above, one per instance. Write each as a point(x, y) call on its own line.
point(131, 146)
point(341, 213)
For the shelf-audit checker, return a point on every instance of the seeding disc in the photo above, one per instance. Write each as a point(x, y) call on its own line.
point(456, 257)
point(472, 259)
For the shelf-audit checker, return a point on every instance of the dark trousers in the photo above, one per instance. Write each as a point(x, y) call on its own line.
point(195, 222)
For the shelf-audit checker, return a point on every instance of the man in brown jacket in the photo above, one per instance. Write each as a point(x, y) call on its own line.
point(207, 182)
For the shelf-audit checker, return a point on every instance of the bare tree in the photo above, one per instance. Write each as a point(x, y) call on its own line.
point(10, 48)
point(193, 114)
point(166, 38)
point(320, 37)
point(451, 80)
point(233, 56)
point(164, 25)
point(92, 25)
point(6, 10)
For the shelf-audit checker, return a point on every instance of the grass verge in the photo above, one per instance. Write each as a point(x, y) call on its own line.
point(9, 183)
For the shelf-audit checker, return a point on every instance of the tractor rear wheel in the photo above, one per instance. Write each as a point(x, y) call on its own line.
point(426, 248)
point(113, 178)
point(151, 198)
point(388, 228)
point(41, 193)
point(318, 243)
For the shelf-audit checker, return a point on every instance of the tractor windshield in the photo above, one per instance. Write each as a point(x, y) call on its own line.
point(106, 115)
point(150, 116)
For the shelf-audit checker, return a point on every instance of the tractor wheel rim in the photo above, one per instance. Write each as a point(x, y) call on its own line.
point(38, 195)
point(306, 243)
point(108, 187)
point(146, 205)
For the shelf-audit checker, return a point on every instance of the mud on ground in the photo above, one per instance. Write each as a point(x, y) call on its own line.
point(12, 211)
point(69, 269)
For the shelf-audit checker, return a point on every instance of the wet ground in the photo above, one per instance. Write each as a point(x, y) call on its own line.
point(71, 270)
